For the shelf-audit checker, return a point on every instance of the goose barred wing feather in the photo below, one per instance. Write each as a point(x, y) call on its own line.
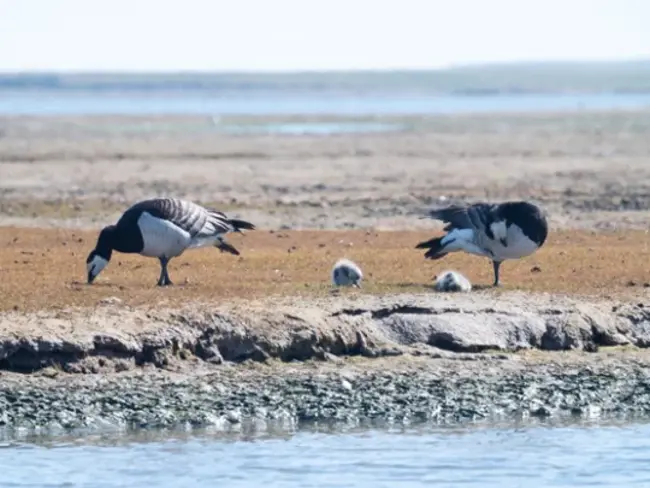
point(196, 220)
point(216, 223)
point(477, 216)
point(505, 222)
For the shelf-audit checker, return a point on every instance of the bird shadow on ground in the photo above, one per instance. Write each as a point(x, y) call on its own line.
point(77, 285)
point(431, 287)
point(411, 286)
point(483, 287)
point(83, 284)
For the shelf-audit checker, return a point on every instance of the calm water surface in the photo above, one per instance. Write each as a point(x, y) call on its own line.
point(507, 457)
point(66, 103)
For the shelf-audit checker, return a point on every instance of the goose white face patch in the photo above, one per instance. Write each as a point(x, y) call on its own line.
point(96, 265)
point(499, 230)
point(518, 246)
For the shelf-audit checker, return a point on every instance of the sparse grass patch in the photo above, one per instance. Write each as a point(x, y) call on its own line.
point(45, 268)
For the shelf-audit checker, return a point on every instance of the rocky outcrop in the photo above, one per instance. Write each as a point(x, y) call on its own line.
point(118, 339)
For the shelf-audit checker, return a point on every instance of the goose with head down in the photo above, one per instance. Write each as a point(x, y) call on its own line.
point(163, 228)
point(509, 230)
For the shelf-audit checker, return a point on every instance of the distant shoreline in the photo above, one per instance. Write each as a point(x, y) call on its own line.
point(475, 80)
point(515, 88)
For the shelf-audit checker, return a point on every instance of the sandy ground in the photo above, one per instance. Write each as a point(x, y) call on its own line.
point(589, 170)
point(45, 269)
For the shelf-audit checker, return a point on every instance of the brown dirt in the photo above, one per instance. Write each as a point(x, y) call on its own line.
point(45, 268)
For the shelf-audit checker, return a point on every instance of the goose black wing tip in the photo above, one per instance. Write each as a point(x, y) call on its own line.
point(240, 225)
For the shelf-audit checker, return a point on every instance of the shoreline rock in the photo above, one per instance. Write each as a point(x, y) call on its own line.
point(410, 358)
point(113, 338)
point(429, 391)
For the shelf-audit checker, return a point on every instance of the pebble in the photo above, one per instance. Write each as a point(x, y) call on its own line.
point(154, 401)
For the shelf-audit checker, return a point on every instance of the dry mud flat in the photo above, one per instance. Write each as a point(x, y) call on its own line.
point(261, 338)
point(589, 170)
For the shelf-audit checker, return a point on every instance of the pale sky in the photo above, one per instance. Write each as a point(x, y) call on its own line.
point(278, 35)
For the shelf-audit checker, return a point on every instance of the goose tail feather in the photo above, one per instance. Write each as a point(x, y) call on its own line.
point(435, 248)
point(238, 225)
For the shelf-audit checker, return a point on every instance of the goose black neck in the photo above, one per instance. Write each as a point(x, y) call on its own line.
point(105, 242)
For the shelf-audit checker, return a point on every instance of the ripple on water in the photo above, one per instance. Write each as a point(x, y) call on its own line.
point(527, 454)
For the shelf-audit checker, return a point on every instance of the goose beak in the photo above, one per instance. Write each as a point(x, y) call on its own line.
point(95, 266)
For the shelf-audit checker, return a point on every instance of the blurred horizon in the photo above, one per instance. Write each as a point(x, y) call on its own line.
point(532, 77)
point(517, 64)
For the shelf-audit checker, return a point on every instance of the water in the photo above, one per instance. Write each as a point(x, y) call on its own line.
point(302, 128)
point(65, 102)
point(506, 457)
point(346, 95)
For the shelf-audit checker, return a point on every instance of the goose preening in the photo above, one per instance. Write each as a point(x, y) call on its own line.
point(509, 230)
point(163, 228)
point(346, 273)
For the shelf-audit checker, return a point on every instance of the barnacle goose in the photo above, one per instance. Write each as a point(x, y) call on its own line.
point(163, 228)
point(508, 230)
